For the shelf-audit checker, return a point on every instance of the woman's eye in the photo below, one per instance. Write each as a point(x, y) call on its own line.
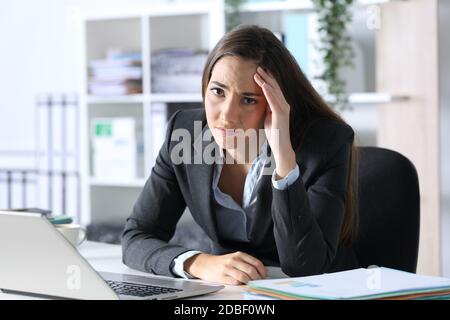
point(249, 101)
point(217, 91)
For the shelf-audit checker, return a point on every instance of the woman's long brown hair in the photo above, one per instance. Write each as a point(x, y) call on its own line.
point(261, 46)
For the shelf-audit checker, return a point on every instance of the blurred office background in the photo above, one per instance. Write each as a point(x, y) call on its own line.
point(77, 76)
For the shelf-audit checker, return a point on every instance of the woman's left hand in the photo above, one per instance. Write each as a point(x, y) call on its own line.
point(276, 123)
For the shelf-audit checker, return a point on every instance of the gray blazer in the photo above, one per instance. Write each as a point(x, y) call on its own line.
point(297, 229)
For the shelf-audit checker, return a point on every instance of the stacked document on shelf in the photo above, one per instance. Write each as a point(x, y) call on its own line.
point(110, 88)
point(114, 148)
point(120, 73)
point(373, 283)
point(177, 70)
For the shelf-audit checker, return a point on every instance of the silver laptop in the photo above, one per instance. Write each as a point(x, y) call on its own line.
point(36, 259)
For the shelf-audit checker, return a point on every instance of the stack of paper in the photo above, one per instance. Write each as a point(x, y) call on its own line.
point(120, 73)
point(374, 283)
point(177, 70)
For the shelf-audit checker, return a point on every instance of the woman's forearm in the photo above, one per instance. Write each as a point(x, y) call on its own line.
point(285, 163)
point(300, 242)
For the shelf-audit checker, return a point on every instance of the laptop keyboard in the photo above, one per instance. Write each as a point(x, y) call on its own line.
point(138, 290)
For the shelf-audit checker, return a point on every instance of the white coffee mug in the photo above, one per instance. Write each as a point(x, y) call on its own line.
point(75, 233)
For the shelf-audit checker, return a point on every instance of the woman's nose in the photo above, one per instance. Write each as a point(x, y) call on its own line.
point(230, 111)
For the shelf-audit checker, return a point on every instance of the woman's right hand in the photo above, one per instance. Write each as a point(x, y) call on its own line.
point(233, 268)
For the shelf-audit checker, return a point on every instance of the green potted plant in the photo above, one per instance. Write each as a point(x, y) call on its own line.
point(334, 47)
point(232, 15)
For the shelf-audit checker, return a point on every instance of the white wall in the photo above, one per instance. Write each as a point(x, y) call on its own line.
point(40, 47)
point(38, 54)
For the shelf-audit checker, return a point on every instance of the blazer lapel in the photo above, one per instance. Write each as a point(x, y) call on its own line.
point(201, 183)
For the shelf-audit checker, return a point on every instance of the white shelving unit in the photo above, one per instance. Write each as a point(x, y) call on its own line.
point(110, 200)
point(135, 183)
point(198, 25)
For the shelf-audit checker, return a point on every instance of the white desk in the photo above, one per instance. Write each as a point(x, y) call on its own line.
point(107, 257)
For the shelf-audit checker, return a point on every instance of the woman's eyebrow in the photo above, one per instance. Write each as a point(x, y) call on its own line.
point(251, 94)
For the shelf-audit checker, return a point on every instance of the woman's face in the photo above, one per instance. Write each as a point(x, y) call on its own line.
point(233, 100)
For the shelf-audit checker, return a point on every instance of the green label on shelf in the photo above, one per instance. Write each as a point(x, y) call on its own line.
point(103, 129)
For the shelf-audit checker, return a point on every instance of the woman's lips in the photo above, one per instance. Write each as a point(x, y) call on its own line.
point(226, 131)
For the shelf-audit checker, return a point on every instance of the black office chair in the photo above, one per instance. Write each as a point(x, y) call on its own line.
point(389, 210)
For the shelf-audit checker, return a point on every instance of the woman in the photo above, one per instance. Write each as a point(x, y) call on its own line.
point(300, 217)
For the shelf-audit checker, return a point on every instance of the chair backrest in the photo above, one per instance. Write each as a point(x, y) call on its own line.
point(389, 210)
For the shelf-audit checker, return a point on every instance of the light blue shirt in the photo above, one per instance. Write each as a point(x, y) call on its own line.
point(235, 220)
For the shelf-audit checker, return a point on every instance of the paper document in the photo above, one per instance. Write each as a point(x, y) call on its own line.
point(353, 284)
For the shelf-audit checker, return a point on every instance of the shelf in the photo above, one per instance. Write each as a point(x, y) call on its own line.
point(372, 98)
point(161, 10)
point(304, 5)
point(176, 97)
point(180, 9)
point(277, 6)
point(354, 98)
point(134, 98)
point(134, 183)
point(141, 98)
point(375, 98)
point(371, 2)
